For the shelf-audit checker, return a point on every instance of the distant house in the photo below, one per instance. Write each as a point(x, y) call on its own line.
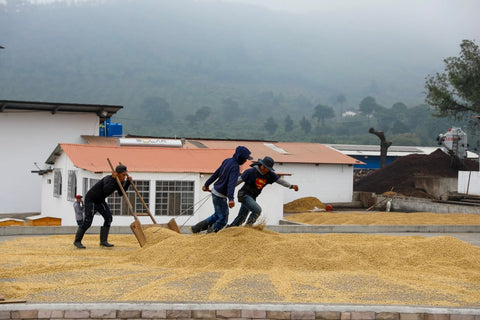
point(170, 178)
point(28, 130)
point(349, 113)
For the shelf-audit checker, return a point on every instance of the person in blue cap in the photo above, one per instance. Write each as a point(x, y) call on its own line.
point(256, 178)
point(225, 180)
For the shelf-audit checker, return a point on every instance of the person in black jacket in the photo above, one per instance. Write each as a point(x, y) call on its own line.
point(256, 178)
point(95, 202)
point(224, 180)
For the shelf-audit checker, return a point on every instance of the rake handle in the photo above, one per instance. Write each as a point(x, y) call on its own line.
point(143, 201)
point(132, 212)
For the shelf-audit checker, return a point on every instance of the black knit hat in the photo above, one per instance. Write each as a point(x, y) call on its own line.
point(120, 168)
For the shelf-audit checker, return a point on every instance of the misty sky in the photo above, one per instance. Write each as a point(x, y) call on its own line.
point(454, 19)
point(447, 21)
point(344, 41)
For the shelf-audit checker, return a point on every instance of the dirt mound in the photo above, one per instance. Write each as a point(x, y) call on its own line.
point(244, 265)
point(400, 175)
point(303, 204)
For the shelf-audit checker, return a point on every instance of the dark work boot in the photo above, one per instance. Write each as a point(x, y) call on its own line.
point(202, 225)
point(78, 239)
point(251, 220)
point(103, 237)
point(212, 229)
point(239, 220)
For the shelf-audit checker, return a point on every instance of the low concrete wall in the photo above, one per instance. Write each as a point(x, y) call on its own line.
point(409, 204)
point(437, 187)
point(232, 311)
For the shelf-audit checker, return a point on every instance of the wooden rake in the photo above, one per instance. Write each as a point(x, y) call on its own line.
point(136, 225)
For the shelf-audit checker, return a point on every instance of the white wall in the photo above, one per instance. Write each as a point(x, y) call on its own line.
point(469, 182)
point(327, 182)
point(270, 200)
point(27, 137)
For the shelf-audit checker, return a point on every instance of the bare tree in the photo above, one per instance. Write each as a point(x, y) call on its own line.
point(384, 145)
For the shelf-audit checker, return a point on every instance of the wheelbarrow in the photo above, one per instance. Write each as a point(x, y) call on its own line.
point(136, 226)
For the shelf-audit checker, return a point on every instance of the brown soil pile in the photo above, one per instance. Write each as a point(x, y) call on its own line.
point(384, 218)
point(244, 265)
point(303, 204)
point(400, 175)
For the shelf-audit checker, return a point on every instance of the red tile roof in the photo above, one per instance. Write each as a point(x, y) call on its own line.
point(283, 152)
point(145, 159)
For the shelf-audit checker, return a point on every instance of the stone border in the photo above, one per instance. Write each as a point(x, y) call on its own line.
point(232, 311)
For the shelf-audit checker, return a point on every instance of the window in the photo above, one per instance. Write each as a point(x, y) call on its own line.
point(84, 186)
point(174, 198)
point(72, 185)
point(92, 183)
point(118, 205)
point(57, 183)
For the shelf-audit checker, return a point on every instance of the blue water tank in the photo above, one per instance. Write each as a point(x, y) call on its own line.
point(114, 130)
point(102, 131)
point(104, 128)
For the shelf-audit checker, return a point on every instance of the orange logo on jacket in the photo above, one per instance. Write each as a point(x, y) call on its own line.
point(260, 183)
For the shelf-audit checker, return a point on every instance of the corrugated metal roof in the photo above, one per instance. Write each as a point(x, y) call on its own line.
point(286, 152)
point(145, 159)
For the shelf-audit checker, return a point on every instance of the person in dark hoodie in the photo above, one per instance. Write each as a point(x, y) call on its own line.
point(95, 202)
point(256, 178)
point(223, 191)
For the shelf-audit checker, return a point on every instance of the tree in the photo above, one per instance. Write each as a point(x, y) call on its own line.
point(157, 109)
point(456, 92)
point(399, 127)
point(341, 99)
point(368, 105)
point(384, 145)
point(305, 125)
point(288, 123)
point(323, 112)
point(203, 113)
point(230, 109)
point(399, 107)
point(271, 125)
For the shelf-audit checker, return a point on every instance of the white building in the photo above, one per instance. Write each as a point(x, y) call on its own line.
point(170, 179)
point(28, 131)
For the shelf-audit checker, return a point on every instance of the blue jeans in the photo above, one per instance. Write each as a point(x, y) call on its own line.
point(248, 205)
point(219, 219)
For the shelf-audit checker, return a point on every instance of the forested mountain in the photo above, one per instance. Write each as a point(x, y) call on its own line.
point(225, 69)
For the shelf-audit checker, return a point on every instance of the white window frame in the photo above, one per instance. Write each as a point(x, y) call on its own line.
point(118, 205)
point(174, 197)
point(72, 185)
point(57, 183)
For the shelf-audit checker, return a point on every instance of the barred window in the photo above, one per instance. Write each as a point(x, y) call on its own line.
point(57, 183)
point(84, 186)
point(72, 185)
point(118, 205)
point(92, 183)
point(173, 198)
